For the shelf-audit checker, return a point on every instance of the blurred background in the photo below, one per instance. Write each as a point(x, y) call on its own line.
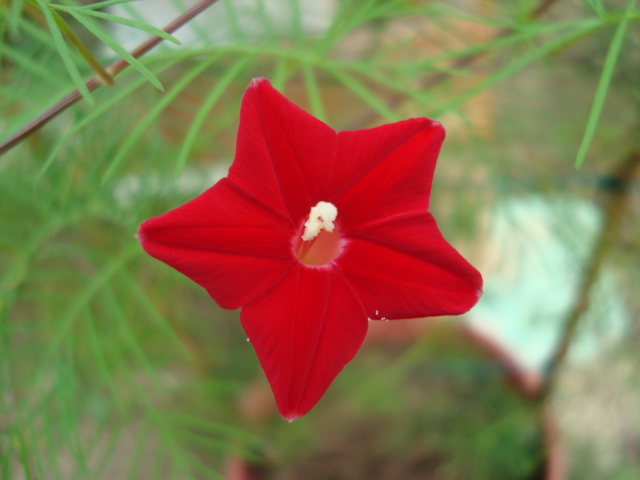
point(114, 366)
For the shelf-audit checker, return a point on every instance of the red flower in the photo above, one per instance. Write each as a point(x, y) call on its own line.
point(312, 233)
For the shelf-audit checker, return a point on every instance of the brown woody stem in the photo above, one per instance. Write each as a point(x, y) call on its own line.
point(617, 204)
point(96, 82)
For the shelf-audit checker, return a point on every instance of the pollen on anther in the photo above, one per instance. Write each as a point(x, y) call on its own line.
point(321, 217)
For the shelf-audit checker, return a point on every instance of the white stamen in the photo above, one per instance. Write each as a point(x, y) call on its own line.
point(321, 216)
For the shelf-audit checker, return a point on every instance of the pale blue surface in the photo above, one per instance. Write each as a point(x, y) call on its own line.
point(534, 256)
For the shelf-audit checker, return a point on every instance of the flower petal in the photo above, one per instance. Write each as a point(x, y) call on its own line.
point(224, 240)
point(387, 170)
point(404, 268)
point(284, 156)
point(304, 330)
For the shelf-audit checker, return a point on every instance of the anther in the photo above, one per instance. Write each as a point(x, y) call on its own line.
point(321, 217)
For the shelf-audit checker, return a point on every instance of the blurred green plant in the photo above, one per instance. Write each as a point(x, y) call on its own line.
point(109, 361)
point(85, 15)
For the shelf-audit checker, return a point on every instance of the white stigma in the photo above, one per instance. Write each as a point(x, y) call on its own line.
point(321, 216)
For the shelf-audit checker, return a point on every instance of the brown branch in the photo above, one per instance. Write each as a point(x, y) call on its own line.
point(95, 82)
point(618, 197)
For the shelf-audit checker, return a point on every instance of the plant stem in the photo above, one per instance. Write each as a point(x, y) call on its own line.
point(618, 186)
point(96, 82)
point(82, 49)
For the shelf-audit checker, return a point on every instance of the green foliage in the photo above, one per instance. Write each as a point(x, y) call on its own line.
point(83, 14)
point(605, 80)
point(108, 360)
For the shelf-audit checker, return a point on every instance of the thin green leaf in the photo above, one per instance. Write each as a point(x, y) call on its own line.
point(112, 306)
point(133, 12)
point(187, 421)
point(6, 458)
point(160, 323)
point(134, 24)
point(313, 92)
point(417, 94)
point(107, 452)
point(180, 458)
point(66, 321)
point(232, 18)
point(124, 151)
point(510, 69)
point(107, 40)
point(25, 456)
point(217, 446)
point(82, 50)
point(67, 395)
point(364, 94)
point(432, 62)
point(63, 51)
point(444, 11)
point(142, 442)
point(597, 7)
point(91, 116)
point(100, 363)
point(296, 22)
point(280, 74)
point(14, 17)
point(51, 444)
point(335, 29)
point(350, 15)
point(108, 3)
point(266, 21)
point(210, 100)
point(206, 471)
point(34, 30)
point(603, 85)
point(36, 68)
point(194, 26)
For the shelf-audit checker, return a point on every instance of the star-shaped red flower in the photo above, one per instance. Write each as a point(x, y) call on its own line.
point(314, 232)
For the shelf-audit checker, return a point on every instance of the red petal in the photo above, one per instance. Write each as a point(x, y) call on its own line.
point(304, 331)
point(404, 268)
point(386, 171)
point(284, 156)
point(224, 240)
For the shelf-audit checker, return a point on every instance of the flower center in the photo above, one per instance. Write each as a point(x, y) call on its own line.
point(319, 244)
